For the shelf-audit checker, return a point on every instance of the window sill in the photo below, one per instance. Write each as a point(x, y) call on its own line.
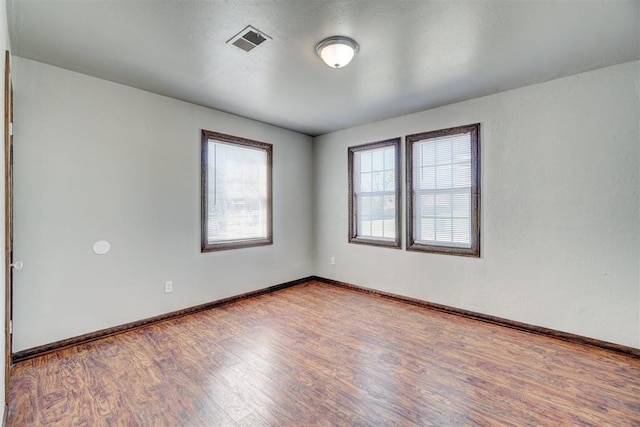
point(473, 252)
point(387, 243)
point(235, 244)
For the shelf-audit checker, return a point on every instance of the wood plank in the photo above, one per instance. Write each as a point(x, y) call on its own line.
point(317, 354)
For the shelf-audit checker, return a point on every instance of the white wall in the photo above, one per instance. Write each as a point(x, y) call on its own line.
point(4, 45)
point(560, 209)
point(97, 160)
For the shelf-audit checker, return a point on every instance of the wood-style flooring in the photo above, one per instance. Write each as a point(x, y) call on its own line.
point(317, 354)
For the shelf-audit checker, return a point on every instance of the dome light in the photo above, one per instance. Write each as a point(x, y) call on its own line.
point(337, 51)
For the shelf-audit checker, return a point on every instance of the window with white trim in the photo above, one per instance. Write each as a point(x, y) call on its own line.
point(236, 192)
point(443, 194)
point(374, 193)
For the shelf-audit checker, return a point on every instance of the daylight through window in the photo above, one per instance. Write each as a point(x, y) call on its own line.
point(375, 193)
point(444, 190)
point(236, 192)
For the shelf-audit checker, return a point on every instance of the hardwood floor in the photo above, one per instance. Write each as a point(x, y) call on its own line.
point(317, 354)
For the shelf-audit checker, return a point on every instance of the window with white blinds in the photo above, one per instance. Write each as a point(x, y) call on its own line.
point(374, 189)
point(443, 176)
point(236, 193)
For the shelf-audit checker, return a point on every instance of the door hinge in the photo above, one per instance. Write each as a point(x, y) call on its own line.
point(11, 326)
point(11, 128)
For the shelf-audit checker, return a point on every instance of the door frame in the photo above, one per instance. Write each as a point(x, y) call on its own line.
point(8, 200)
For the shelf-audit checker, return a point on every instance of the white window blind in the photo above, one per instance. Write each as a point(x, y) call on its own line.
point(375, 192)
point(442, 188)
point(237, 205)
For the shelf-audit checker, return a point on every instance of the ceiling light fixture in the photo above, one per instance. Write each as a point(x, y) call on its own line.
point(337, 51)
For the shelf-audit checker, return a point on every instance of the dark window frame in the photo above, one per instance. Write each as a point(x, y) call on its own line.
point(412, 245)
point(395, 243)
point(204, 165)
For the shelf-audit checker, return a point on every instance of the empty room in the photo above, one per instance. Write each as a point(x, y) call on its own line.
point(321, 212)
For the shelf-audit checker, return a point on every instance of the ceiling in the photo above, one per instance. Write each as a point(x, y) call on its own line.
point(414, 55)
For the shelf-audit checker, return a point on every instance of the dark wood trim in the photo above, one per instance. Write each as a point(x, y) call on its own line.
point(512, 324)
point(525, 327)
point(204, 196)
point(353, 206)
point(8, 221)
point(236, 140)
point(412, 245)
point(82, 339)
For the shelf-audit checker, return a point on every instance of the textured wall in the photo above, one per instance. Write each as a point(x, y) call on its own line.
point(97, 160)
point(560, 208)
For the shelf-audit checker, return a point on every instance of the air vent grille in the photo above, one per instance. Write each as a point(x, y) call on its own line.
point(249, 38)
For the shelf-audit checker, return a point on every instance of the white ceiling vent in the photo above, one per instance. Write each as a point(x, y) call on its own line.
point(249, 38)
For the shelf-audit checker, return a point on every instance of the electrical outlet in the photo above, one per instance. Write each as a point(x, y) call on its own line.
point(333, 260)
point(168, 287)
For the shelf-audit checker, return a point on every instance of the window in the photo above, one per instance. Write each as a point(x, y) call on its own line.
point(374, 193)
point(236, 192)
point(443, 194)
